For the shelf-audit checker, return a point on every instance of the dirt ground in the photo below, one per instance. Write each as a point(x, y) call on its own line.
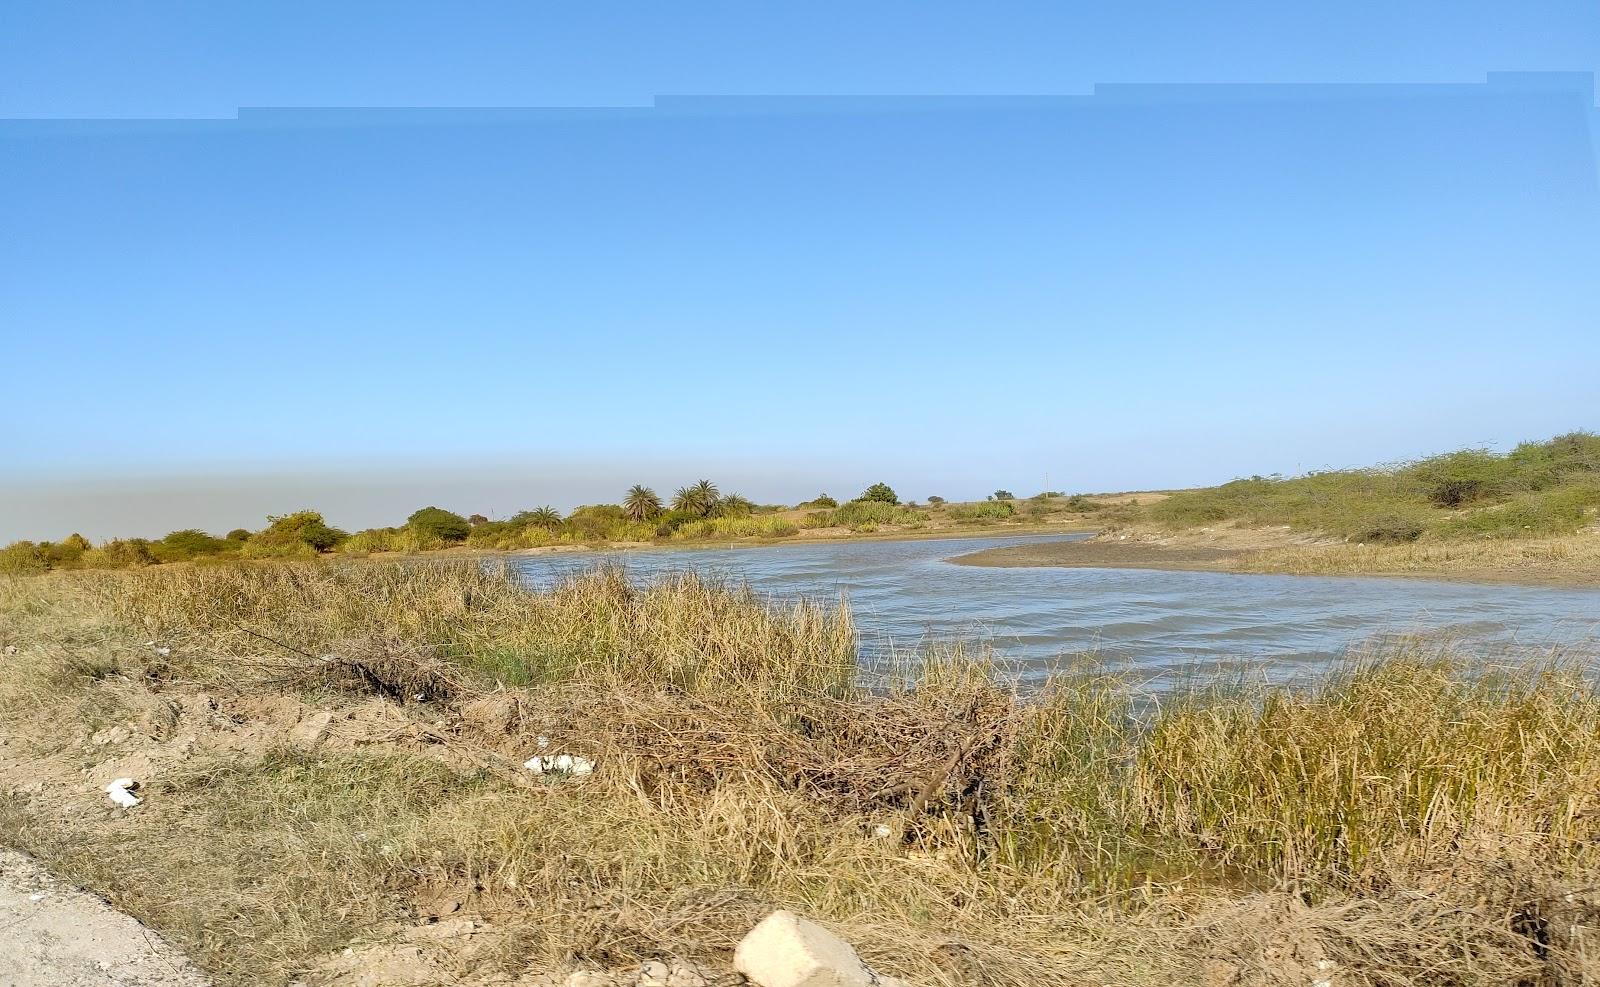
point(54, 935)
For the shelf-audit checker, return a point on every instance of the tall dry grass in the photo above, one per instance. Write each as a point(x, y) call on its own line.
point(1408, 820)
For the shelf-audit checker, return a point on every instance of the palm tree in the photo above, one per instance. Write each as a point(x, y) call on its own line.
point(641, 504)
point(545, 517)
point(705, 496)
point(699, 499)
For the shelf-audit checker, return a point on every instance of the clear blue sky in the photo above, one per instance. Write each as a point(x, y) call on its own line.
point(789, 247)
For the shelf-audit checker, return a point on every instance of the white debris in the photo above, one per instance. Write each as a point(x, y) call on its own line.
point(11, 649)
point(121, 792)
point(882, 832)
point(542, 742)
point(36, 896)
point(785, 950)
point(559, 764)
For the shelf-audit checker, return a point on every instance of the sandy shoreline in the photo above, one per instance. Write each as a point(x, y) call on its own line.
point(1565, 562)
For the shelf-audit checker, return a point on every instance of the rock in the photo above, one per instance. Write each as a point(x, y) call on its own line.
point(785, 950)
point(654, 974)
point(684, 975)
point(586, 978)
point(111, 735)
point(312, 730)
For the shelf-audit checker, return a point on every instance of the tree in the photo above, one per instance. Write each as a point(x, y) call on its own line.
point(880, 492)
point(477, 519)
point(1003, 494)
point(935, 499)
point(821, 500)
point(734, 505)
point(302, 527)
point(239, 534)
point(642, 503)
point(544, 517)
point(439, 523)
point(699, 499)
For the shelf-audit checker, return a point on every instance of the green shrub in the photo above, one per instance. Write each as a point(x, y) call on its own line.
point(820, 500)
point(1082, 504)
point(992, 510)
point(875, 512)
point(880, 493)
point(436, 522)
point(188, 543)
point(239, 534)
point(1003, 494)
point(289, 535)
point(1456, 478)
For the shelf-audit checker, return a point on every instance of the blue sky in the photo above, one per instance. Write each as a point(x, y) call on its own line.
point(788, 247)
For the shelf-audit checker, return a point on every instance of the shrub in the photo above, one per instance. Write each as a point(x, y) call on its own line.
point(1390, 529)
point(820, 500)
point(23, 557)
point(1003, 494)
point(1078, 502)
point(187, 543)
point(881, 493)
point(290, 534)
point(436, 522)
point(121, 554)
point(992, 510)
point(1455, 478)
point(238, 534)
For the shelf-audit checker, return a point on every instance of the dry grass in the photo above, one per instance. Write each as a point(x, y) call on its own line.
point(1406, 821)
point(1571, 558)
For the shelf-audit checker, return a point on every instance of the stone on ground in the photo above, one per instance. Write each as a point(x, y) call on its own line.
point(785, 950)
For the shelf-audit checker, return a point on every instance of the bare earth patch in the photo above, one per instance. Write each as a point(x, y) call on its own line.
point(54, 935)
point(1572, 560)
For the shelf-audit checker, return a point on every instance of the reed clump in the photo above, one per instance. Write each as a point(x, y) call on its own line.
point(1410, 819)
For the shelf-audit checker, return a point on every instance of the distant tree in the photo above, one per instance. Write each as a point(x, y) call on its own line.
point(642, 503)
point(544, 517)
point(880, 492)
point(439, 523)
point(734, 505)
point(239, 534)
point(821, 500)
point(303, 527)
point(477, 519)
point(699, 499)
point(935, 499)
point(188, 543)
point(1003, 495)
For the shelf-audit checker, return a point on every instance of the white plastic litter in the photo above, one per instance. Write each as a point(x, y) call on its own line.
point(121, 792)
point(559, 764)
point(542, 741)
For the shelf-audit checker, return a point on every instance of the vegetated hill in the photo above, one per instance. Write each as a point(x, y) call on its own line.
point(1538, 488)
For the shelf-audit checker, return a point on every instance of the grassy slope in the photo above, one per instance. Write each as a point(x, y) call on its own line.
point(1400, 821)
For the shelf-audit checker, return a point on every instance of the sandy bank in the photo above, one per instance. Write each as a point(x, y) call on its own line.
point(1572, 561)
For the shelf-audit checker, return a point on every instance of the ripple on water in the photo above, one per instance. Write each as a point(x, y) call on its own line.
point(1152, 622)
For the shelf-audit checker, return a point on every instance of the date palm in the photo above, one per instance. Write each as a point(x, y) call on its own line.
point(543, 517)
point(641, 504)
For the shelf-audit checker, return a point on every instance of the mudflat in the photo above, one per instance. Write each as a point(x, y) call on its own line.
point(1098, 554)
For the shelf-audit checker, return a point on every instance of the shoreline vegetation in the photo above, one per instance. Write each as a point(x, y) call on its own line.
point(697, 515)
point(1530, 516)
point(1409, 819)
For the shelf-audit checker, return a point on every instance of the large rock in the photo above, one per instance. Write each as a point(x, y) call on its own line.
point(785, 950)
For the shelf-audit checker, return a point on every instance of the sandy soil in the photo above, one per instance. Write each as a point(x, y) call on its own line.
point(1569, 561)
point(52, 935)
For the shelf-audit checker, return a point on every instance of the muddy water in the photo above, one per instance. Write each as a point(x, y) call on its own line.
point(1159, 624)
